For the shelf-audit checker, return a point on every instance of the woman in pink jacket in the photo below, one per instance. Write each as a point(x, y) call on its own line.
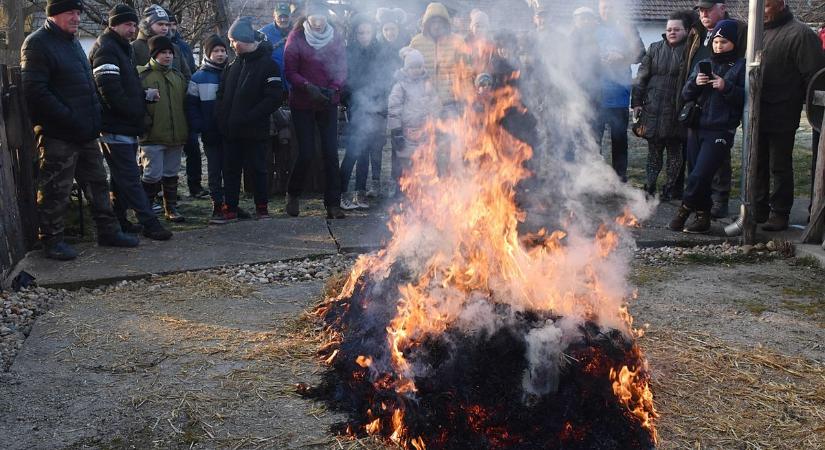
point(316, 68)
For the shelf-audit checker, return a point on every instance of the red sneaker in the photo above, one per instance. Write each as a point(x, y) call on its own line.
point(229, 215)
point(262, 212)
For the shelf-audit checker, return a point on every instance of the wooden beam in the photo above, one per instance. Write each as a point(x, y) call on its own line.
point(814, 232)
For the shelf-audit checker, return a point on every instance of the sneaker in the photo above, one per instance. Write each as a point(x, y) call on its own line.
point(292, 207)
point(372, 192)
point(172, 215)
point(198, 192)
point(154, 230)
point(119, 239)
point(348, 203)
point(262, 212)
point(776, 222)
point(334, 212)
point(360, 200)
point(60, 251)
point(157, 207)
point(719, 210)
point(229, 215)
point(217, 215)
point(243, 215)
point(678, 221)
point(700, 223)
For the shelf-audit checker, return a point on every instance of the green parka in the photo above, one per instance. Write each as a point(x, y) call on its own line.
point(166, 118)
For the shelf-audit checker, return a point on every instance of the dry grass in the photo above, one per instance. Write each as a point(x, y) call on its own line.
point(711, 394)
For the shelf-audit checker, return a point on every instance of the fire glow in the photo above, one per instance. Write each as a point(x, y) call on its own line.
point(462, 333)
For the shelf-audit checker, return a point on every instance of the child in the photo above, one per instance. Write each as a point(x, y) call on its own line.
point(412, 103)
point(721, 97)
point(161, 146)
point(203, 90)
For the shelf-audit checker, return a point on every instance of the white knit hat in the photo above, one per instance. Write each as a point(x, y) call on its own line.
point(411, 57)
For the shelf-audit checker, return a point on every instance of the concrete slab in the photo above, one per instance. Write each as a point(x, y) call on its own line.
point(239, 243)
point(360, 232)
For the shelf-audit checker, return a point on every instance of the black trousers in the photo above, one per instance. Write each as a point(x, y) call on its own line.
point(617, 119)
point(707, 151)
point(326, 121)
point(775, 161)
point(236, 154)
point(192, 150)
point(127, 190)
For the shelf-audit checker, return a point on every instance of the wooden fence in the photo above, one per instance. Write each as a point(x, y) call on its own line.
point(18, 215)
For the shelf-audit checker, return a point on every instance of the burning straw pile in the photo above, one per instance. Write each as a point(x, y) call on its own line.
point(462, 334)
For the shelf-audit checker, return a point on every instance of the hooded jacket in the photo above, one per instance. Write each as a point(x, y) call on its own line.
point(325, 68)
point(58, 86)
point(200, 101)
point(142, 56)
point(166, 118)
point(412, 102)
point(791, 56)
point(441, 57)
point(121, 92)
point(721, 111)
point(251, 89)
point(657, 92)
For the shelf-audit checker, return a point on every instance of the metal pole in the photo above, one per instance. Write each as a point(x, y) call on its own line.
point(753, 87)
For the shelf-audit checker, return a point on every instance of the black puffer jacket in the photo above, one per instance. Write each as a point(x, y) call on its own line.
point(721, 111)
point(58, 86)
point(656, 90)
point(251, 89)
point(113, 66)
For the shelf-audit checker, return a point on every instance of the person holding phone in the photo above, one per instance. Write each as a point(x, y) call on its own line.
point(718, 86)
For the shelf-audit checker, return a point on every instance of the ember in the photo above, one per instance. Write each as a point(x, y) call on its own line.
point(461, 333)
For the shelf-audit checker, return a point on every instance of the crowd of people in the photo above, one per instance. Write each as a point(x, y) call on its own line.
point(140, 102)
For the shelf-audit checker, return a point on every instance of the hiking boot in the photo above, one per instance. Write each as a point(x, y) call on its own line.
point(360, 200)
point(348, 202)
point(776, 222)
point(170, 200)
point(217, 215)
point(60, 251)
point(118, 239)
point(155, 231)
point(700, 223)
point(678, 221)
point(334, 212)
point(262, 212)
point(719, 210)
point(292, 207)
point(229, 215)
point(128, 227)
point(243, 215)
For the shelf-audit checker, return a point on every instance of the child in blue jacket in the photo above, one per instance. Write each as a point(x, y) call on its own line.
point(721, 97)
point(203, 89)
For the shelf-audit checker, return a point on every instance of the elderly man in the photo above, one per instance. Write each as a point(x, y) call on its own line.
point(792, 55)
point(277, 32)
point(698, 47)
point(123, 97)
point(65, 110)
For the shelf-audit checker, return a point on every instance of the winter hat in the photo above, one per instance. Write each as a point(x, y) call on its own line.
point(727, 29)
point(172, 16)
point(359, 20)
point(211, 42)
point(394, 15)
point(55, 7)
point(484, 79)
point(478, 17)
point(154, 13)
point(122, 14)
point(242, 31)
point(317, 8)
point(159, 43)
point(411, 57)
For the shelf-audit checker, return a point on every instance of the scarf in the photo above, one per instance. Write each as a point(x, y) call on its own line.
point(318, 40)
point(725, 58)
point(208, 63)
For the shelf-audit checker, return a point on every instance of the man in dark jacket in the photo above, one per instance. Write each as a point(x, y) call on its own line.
point(791, 56)
point(64, 108)
point(113, 66)
point(156, 22)
point(251, 89)
point(698, 47)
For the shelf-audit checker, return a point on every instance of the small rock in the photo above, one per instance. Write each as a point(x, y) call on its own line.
point(760, 246)
point(771, 246)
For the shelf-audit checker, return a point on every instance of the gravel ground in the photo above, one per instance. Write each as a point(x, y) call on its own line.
point(20, 310)
point(715, 253)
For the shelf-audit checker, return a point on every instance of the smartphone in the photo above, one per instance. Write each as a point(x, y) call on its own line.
point(704, 67)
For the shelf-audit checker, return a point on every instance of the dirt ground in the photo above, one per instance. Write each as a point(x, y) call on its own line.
point(197, 361)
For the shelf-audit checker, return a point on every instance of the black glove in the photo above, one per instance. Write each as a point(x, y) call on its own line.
point(315, 94)
point(397, 140)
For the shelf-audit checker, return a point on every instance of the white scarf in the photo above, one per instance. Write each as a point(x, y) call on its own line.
point(318, 40)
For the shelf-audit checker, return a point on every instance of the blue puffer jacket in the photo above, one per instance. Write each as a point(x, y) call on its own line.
point(200, 98)
point(278, 40)
point(720, 110)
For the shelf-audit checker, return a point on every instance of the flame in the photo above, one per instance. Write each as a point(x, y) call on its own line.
point(632, 389)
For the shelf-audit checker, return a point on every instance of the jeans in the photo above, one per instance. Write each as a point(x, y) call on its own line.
point(366, 136)
point(707, 150)
point(326, 121)
point(617, 119)
point(193, 162)
point(775, 160)
point(240, 153)
point(127, 192)
point(214, 166)
point(160, 161)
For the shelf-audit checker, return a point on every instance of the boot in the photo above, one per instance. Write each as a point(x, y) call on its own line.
point(154, 230)
point(229, 214)
point(776, 222)
point(60, 251)
point(678, 221)
point(217, 217)
point(129, 227)
point(719, 210)
point(170, 200)
point(151, 190)
point(334, 212)
point(700, 223)
point(292, 207)
point(117, 239)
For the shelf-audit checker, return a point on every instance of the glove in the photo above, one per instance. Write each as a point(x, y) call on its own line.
point(315, 94)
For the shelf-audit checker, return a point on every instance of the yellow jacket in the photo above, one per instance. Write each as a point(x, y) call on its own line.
point(442, 57)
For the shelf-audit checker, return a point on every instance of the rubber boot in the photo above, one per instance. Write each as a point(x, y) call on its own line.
point(170, 200)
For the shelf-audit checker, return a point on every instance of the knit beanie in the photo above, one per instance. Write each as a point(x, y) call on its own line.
point(728, 29)
point(388, 15)
point(411, 57)
point(55, 7)
point(211, 42)
point(242, 31)
point(122, 14)
point(317, 8)
point(172, 16)
point(154, 13)
point(478, 17)
point(159, 43)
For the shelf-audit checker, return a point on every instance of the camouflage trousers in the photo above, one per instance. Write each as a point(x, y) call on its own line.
point(62, 162)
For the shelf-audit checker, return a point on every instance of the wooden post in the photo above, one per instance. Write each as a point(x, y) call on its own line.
point(753, 87)
point(814, 232)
